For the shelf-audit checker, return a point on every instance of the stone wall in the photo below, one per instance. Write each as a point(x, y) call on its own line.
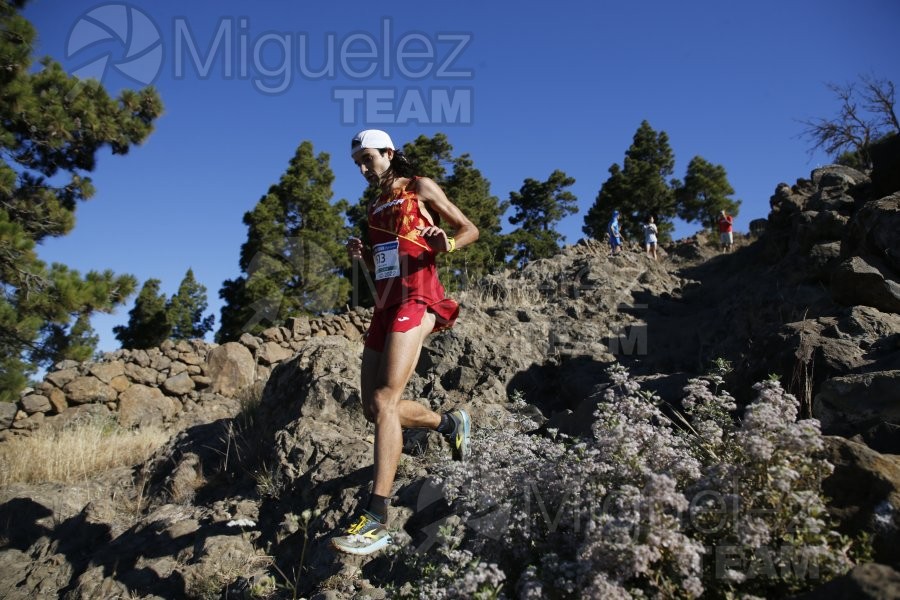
point(156, 385)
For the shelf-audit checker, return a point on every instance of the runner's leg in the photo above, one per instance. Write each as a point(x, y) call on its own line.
point(384, 377)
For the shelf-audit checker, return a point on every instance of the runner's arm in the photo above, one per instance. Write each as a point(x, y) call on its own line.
point(464, 231)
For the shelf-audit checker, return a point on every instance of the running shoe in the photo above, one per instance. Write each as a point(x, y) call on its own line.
point(365, 536)
point(459, 439)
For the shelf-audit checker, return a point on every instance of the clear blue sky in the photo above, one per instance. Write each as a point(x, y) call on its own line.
point(525, 88)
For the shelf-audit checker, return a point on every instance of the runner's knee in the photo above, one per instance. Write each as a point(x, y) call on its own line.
point(384, 400)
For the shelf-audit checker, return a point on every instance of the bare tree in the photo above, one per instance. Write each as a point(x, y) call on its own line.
point(878, 96)
point(866, 115)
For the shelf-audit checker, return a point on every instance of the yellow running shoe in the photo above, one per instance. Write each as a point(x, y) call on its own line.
point(459, 439)
point(365, 536)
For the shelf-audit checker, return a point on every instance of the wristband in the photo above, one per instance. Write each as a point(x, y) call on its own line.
point(451, 244)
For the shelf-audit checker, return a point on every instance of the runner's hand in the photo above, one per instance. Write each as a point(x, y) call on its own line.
point(435, 236)
point(355, 248)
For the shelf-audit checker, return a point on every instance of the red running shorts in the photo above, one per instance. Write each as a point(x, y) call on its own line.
point(408, 315)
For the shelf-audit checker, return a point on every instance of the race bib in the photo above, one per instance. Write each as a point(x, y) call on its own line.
point(387, 260)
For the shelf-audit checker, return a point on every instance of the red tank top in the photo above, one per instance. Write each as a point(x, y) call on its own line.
point(404, 262)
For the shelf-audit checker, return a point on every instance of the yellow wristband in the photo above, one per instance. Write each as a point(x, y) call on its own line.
point(451, 244)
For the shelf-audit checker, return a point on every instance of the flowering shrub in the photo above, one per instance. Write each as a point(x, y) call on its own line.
point(655, 503)
point(766, 522)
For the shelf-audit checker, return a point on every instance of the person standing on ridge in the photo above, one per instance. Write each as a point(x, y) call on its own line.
point(409, 305)
point(650, 232)
point(615, 236)
point(725, 231)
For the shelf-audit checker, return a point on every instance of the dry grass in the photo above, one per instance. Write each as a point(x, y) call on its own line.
point(206, 580)
point(250, 399)
point(498, 292)
point(75, 453)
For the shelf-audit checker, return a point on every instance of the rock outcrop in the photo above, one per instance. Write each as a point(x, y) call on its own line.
point(268, 427)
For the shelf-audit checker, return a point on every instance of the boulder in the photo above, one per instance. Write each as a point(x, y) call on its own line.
point(83, 390)
point(848, 403)
point(120, 383)
point(785, 202)
point(142, 405)
point(870, 322)
point(179, 385)
point(832, 200)
point(58, 399)
point(29, 423)
point(7, 414)
point(141, 357)
point(316, 398)
point(273, 334)
point(106, 372)
point(351, 331)
point(859, 280)
point(190, 358)
point(85, 412)
point(249, 340)
point(142, 374)
point(864, 492)
point(758, 226)
point(177, 367)
point(61, 378)
point(230, 368)
point(815, 227)
point(869, 581)
point(160, 361)
point(875, 230)
point(271, 353)
point(65, 365)
point(823, 258)
point(300, 327)
point(813, 344)
point(837, 175)
point(35, 403)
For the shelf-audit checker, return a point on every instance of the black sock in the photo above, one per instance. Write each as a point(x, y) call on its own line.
point(447, 425)
point(378, 507)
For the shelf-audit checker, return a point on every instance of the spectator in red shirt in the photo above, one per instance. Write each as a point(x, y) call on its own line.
point(725, 231)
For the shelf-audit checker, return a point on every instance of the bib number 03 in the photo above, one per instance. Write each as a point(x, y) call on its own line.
point(387, 260)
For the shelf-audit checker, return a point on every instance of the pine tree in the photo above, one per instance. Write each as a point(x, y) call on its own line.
point(639, 189)
point(81, 341)
point(148, 323)
point(431, 155)
point(51, 128)
point(539, 206)
point(75, 343)
point(185, 310)
point(471, 192)
point(294, 255)
point(609, 198)
point(704, 193)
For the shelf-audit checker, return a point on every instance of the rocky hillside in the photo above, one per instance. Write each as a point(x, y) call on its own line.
point(268, 428)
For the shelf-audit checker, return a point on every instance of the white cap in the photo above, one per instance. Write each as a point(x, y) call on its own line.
point(371, 138)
